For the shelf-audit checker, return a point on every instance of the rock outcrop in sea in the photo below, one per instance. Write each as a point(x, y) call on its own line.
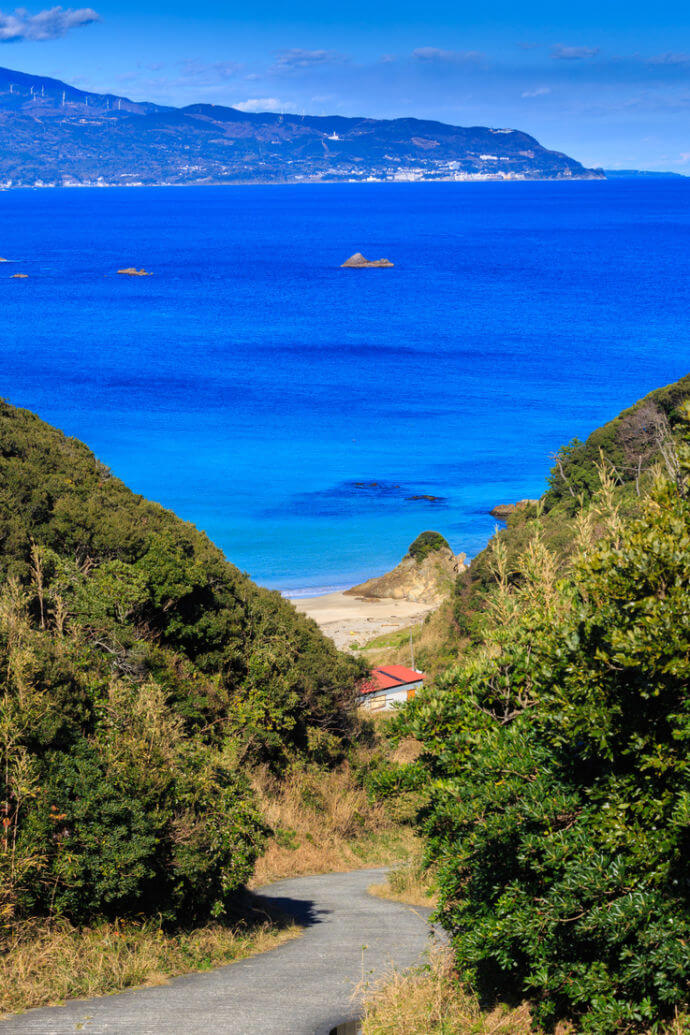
point(425, 575)
point(358, 262)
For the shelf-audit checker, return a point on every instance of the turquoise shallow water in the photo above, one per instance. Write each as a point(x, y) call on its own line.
point(290, 408)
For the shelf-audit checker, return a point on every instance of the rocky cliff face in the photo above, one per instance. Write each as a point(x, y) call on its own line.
point(423, 576)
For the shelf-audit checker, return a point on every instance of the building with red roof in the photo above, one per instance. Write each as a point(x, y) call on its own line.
point(389, 685)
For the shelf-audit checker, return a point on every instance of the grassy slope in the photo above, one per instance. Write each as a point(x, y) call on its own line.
point(46, 964)
point(630, 447)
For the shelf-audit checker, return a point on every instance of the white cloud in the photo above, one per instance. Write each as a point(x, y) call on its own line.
point(217, 71)
point(446, 56)
point(562, 53)
point(669, 58)
point(261, 104)
point(49, 24)
point(296, 58)
point(539, 91)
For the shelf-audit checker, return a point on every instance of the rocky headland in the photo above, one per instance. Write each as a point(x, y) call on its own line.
point(401, 598)
point(425, 575)
point(502, 511)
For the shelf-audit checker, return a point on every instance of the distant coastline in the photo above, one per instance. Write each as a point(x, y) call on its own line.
point(317, 181)
point(52, 133)
point(595, 176)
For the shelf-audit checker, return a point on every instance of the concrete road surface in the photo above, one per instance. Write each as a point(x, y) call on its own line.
point(304, 987)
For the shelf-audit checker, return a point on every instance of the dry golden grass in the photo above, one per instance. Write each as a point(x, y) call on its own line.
point(46, 963)
point(408, 882)
point(324, 823)
point(428, 1001)
point(435, 646)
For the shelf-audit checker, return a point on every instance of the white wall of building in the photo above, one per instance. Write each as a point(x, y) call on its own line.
point(380, 700)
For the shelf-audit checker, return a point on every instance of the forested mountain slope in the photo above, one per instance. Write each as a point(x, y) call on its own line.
point(140, 673)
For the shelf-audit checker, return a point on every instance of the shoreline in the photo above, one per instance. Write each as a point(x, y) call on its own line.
point(352, 621)
point(305, 183)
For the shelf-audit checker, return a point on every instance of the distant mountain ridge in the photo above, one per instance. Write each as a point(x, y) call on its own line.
point(55, 134)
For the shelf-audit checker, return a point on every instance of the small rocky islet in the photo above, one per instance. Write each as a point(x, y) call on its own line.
point(358, 262)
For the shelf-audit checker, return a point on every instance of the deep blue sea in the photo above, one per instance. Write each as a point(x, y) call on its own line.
point(290, 408)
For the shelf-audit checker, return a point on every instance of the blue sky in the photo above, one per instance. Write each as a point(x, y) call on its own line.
point(608, 83)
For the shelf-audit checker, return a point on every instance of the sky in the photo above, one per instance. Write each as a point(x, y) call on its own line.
point(608, 83)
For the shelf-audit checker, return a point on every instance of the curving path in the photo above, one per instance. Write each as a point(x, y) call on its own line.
point(304, 987)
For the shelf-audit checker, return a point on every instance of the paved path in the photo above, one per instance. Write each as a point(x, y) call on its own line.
point(303, 987)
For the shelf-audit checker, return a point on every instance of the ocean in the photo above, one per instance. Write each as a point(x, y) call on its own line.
point(294, 410)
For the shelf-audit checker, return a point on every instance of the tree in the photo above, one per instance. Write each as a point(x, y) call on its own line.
point(560, 808)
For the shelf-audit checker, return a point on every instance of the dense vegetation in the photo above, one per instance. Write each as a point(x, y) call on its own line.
point(139, 674)
point(556, 757)
point(425, 544)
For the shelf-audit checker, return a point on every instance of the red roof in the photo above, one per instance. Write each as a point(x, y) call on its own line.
point(389, 676)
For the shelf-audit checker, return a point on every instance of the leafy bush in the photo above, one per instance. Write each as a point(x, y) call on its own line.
point(108, 806)
point(426, 543)
point(125, 570)
point(560, 803)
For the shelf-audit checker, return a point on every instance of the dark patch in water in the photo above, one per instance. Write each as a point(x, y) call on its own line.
point(355, 497)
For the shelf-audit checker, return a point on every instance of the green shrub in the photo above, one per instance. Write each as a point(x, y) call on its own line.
point(560, 805)
point(426, 543)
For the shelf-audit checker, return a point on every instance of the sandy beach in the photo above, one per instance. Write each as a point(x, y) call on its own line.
point(350, 619)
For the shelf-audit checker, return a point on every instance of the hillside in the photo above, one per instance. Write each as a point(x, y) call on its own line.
point(141, 674)
point(631, 445)
point(52, 133)
point(553, 750)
